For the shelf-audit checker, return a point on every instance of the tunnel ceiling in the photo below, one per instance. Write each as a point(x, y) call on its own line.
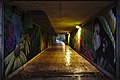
point(65, 15)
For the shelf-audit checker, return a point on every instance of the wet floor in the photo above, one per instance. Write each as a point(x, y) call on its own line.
point(59, 62)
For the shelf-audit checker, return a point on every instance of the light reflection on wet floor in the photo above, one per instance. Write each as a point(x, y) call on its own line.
point(58, 63)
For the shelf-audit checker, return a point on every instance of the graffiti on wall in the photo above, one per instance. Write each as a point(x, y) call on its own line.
point(104, 41)
point(21, 43)
point(86, 47)
point(103, 51)
point(97, 41)
point(14, 54)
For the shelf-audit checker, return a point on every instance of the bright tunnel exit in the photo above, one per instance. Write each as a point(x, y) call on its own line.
point(60, 39)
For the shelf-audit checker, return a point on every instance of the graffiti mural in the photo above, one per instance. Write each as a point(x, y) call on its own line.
point(102, 47)
point(21, 43)
point(86, 47)
point(104, 41)
point(97, 41)
point(74, 39)
point(14, 55)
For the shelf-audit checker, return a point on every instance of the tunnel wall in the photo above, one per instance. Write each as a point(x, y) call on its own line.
point(1, 40)
point(23, 39)
point(96, 40)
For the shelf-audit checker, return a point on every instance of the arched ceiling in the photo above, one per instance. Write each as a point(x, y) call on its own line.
point(65, 15)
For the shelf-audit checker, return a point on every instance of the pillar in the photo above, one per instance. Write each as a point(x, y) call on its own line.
point(118, 39)
point(1, 42)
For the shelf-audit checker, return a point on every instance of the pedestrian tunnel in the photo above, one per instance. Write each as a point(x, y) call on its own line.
point(58, 61)
point(59, 39)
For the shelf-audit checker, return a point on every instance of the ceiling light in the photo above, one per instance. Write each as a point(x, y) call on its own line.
point(68, 33)
point(77, 27)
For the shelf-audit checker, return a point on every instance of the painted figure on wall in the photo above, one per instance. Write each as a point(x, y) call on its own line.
point(103, 47)
point(11, 41)
point(104, 40)
point(88, 53)
point(14, 56)
point(85, 42)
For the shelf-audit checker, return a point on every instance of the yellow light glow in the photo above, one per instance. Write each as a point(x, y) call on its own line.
point(79, 32)
point(68, 38)
point(68, 33)
point(79, 37)
point(65, 23)
point(77, 27)
point(68, 53)
point(63, 44)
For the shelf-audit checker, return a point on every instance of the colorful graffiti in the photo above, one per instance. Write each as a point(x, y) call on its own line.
point(97, 41)
point(21, 43)
point(14, 54)
point(104, 41)
point(86, 47)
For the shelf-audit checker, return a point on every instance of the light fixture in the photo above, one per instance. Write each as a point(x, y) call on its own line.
point(68, 33)
point(77, 26)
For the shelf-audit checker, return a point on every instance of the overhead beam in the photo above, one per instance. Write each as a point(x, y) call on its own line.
point(62, 0)
point(0, 40)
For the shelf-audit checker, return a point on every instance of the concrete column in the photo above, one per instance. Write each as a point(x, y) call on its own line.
point(118, 39)
point(1, 42)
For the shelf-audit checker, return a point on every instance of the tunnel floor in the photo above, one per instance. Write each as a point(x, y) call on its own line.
point(58, 62)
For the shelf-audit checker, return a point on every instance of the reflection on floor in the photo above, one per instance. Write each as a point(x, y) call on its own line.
point(58, 62)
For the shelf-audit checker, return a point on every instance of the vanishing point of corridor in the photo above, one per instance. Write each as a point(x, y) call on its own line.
point(58, 62)
point(59, 40)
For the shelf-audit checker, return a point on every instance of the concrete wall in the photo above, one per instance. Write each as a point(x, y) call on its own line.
point(0, 39)
point(118, 40)
point(1, 56)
